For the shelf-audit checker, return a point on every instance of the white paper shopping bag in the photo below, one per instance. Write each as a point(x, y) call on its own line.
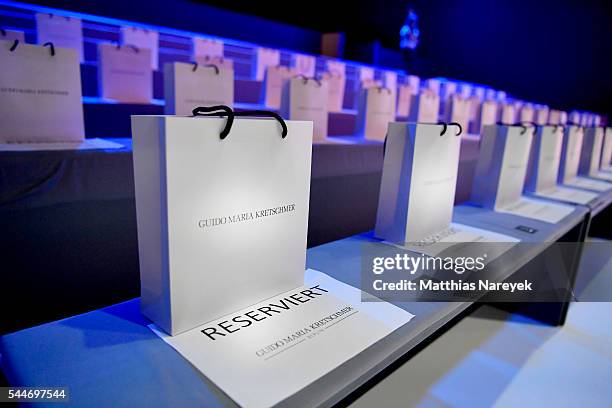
point(570, 153)
point(375, 110)
point(275, 79)
point(507, 114)
point(222, 213)
point(554, 117)
point(527, 114)
point(306, 99)
point(433, 84)
point(541, 115)
point(590, 155)
point(304, 64)
point(143, 39)
point(207, 47)
point(458, 110)
point(335, 67)
point(425, 107)
point(187, 86)
point(12, 35)
point(545, 159)
point(366, 74)
point(486, 115)
point(125, 73)
point(414, 81)
point(40, 94)
point(606, 153)
point(335, 86)
point(404, 99)
point(264, 58)
point(418, 181)
point(390, 80)
point(63, 32)
point(502, 165)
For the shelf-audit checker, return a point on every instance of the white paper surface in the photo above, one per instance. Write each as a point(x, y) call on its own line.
point(295, 341)
point(537, 210)
point(570, 195)
point(460, 234)
point(86, 144)
point(588, 183)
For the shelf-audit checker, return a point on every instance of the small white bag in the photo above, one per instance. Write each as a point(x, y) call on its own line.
point(606, 153)
point(304, 64)
point(63, 32)
point(222, 213)
point(425, 107)
point(570, 153)
point(335, 85)
point(527, 114)
point(207, 47)
point(40, 94)
point(417, 192)
point(486, 115)
point(125, 73)
point(264, 58)
point(375, 110)
point(541, 115)
point(590, 156)
point(545, 159)
point(275, 79)
point(187, 86)
point(306, 99)
point(458, 111)
point(143, 39)
point(404, 99)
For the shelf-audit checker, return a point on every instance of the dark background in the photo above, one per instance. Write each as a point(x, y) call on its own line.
point(553, 52)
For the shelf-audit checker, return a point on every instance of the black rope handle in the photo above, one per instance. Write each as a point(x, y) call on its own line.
point(306, 79)
point(382, 88)
point(51, 46)
point(459, 126)
point(133, 47)
point(226, 111)
point(195, 67)
point(14, 46)
point(446, 125)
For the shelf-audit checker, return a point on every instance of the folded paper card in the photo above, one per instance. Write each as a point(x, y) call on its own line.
point(40, 94)
point(500, 175)
point(187, 86)
point(264, 58)
point(306, 99)
point(375, 110)
point(418, 182)
point(125, 73)
point(221, 222)
point(288, 341)
point(275, 80)
point(424, 107)
point(207, 47)
point(143, 39)
point(63, 32)
point(304, 64)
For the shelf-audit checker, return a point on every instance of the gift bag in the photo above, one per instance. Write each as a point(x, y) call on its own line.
point(222, 213)
point(544, 159)
point(207, 47)
point(465, 90)
point(554, 117)
point(304, 64)
point(502, 165)
point(425, 107)
point(187, 86)
point(306, 99)
point(143, 39)
point(590, 157)
point(264, 58)
point(366, 74)
point(335, 86)
point(125, 73)
point(459, 111)
point(485, 115)
point(434, 85)
point(606, 153)
point(274, 81)
point(11, 35)
point(63, 32)
point(507, 114)
point(418, 181)
point(447, 89)
point(570, 153)
point(40, 94)
point(415, 82)
point(527, 114)
point(375, 110)
point(390, 81)
point(404, 99)
point(541, 115)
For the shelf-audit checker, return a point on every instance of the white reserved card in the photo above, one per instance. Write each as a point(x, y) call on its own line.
point(263, 354)
point(570, 195)
point(461, 234)
point(588, 183)
point(537, 210)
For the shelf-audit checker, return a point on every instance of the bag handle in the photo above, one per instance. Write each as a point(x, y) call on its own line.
point(306, 79)
point(47, 44)
point(226, 111)
point(195, 67)
point(133, 47)
point(445, 125)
